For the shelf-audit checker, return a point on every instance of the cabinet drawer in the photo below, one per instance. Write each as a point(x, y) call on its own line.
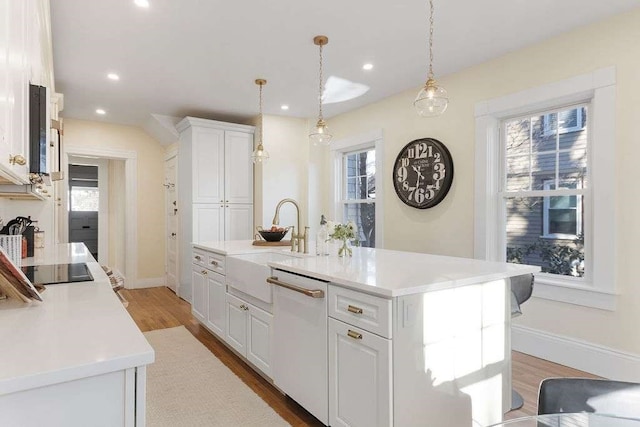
point(216, 262)
point(209, 260)
point(370, 313)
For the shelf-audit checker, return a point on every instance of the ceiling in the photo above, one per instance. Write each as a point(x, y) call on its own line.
point(201, 57)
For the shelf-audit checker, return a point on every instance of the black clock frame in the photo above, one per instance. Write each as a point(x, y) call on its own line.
point(447, 180)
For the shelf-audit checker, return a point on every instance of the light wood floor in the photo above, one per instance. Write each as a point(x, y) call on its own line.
point(159, 308)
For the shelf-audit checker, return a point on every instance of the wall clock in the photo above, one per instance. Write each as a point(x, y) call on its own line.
point(422, 173)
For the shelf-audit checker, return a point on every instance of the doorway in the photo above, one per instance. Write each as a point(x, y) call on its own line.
point(88, 205)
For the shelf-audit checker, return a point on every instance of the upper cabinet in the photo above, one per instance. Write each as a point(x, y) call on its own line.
point(25, 57)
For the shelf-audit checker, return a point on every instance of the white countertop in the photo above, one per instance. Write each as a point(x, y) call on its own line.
point(79, 330)
point(383, 272)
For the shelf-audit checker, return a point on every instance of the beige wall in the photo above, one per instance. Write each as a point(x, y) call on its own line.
point(448, 228)
point(285, 174)
point(150, 162)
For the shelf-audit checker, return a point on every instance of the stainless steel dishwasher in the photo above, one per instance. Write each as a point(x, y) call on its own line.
point(300, 361)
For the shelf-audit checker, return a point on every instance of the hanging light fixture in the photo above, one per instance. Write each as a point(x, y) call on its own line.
point(320, 133)
point(259, 155)
point(432, 100)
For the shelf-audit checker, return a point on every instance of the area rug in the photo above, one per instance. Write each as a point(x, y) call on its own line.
point(188, 386)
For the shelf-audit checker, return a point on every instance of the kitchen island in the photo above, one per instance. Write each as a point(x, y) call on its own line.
point(74, 359)
point(380, 338)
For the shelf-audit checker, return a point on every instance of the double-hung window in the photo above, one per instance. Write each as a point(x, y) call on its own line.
point(357, 168)
point(545, 186)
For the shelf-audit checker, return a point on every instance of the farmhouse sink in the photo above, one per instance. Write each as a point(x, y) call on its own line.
point(248, 272)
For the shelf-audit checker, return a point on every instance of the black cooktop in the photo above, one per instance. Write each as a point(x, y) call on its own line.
point(57, 273)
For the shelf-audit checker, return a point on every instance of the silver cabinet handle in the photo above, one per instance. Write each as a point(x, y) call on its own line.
point(353, 309)
point(355, 335)
point(198, 257)
point(213, 262)
point(313, 293)
point(204, 272)
point(244, 307)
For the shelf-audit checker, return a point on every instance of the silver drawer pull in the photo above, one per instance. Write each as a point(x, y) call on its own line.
point(356, 310)
point(214, 263)
point(198, 257)
point(313, 293)
point(355, 335)
point(204, 272)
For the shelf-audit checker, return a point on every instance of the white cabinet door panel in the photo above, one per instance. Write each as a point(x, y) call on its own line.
point(238, 222)
point(208, 165)
point(259, 338)
point(208, 222)
point(359, 377)
point(238, 167)
point(216, 308)
point(199, 284)
point(236, 335)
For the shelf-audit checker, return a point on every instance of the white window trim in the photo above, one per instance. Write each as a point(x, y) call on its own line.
point(372, 139)
point(598, 88)
point(545, 215)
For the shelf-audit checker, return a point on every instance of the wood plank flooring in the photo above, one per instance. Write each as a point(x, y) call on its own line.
point(159, 308)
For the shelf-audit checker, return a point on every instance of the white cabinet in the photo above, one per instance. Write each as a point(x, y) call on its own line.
point(215, 186)
point(359, 377)
point(208, 281)
point(249, 332)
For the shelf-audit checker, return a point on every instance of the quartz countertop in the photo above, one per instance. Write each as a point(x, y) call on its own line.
point(78, 330)
point(383, 272)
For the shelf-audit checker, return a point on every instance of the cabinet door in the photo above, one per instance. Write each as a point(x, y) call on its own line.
point(199, 292)
point(236, 334)
point(259, 338)
point(208, 222)
point(216, 308)
point(238, 222)
point(5, 140)
point(359, 377)
point(238, 177)
point(208, 165)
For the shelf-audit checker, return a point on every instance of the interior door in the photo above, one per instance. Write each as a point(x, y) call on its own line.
point(171, 210)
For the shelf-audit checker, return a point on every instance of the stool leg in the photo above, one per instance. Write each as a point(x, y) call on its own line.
point(516, 400)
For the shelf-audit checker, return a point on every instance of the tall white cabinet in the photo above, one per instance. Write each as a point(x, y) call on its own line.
point(215, 187)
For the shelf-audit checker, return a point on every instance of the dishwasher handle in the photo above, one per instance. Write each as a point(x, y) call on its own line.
point(313, 293)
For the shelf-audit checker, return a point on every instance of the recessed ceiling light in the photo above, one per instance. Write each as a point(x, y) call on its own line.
point(367, 67)
point(113, 76)
point(141, 3)
point(284, 107)
point(101, 111)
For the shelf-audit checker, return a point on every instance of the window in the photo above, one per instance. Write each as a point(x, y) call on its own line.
point(543, 188)
point(545, 174)
point(359, 193)
point(356, 197)
point(84, 199)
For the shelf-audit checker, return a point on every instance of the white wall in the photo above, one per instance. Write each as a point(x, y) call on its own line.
point(448, 228)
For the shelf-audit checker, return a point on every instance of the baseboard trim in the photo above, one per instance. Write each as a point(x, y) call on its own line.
point(153, 282)
point(585, 356)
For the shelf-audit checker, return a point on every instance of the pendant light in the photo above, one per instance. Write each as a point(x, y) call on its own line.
point(260, 154)
point(320, 133)
point(432, 100)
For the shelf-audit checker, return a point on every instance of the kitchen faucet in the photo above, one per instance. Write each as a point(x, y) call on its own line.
point(295, 238)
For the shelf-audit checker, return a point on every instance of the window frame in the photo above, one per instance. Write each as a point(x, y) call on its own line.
point(599, 89)
point(338, 148)
point(545, 214)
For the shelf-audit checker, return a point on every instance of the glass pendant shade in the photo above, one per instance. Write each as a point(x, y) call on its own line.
point(432, 100)
point(259, 155)
point(319, 134)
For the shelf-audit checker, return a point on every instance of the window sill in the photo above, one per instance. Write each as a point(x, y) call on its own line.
point(573, 291)
point(559, 236)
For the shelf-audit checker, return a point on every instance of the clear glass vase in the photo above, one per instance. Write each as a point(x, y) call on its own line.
point(345, 248)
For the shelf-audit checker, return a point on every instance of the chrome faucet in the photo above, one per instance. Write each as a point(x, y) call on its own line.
point(295, 238)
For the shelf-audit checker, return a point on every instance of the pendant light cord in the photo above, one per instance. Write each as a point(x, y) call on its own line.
point(261, 121)
point(320, 87)
point(430, 76)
